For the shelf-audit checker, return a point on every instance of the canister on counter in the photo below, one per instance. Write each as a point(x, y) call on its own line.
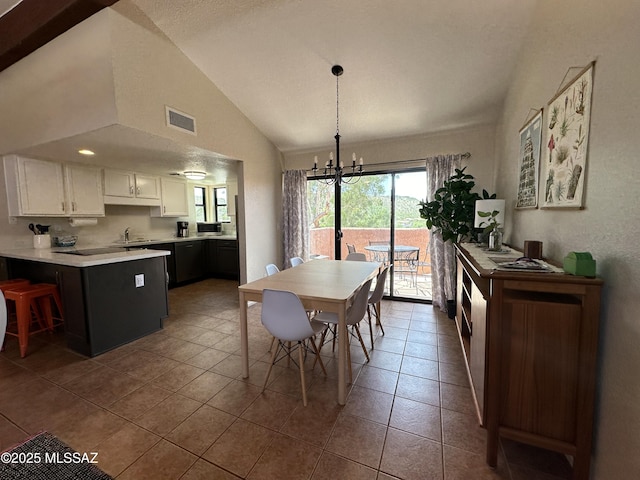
point(533, 249)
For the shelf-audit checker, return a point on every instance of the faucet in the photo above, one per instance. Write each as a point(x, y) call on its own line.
point(126, 235)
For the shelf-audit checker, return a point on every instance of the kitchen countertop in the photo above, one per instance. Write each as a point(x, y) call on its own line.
point(55, 255)
point(142, 242)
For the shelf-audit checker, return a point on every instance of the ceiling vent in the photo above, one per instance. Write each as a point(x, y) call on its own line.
point(180, 120)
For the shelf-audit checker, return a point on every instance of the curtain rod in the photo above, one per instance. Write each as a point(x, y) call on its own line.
point(464, 156)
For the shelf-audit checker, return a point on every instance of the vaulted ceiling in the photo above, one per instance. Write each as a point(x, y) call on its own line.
point(410, 66)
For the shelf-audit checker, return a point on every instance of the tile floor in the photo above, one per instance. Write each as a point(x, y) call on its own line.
point(173, 405)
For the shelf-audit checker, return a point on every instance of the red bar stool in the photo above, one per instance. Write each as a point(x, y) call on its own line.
point(33, 301)
point(13, 282)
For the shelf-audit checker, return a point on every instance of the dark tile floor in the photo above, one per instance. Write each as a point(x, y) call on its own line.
point(174, 405)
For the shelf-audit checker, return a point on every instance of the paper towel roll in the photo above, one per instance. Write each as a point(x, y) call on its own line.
point(83, 222)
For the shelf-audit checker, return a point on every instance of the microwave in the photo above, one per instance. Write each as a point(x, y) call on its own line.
point(213, 227)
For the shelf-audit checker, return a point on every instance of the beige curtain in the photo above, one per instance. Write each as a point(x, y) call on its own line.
point(295, 215)
point(443, 262)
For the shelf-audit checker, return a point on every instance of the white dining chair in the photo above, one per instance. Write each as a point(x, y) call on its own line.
point(357, 256)
point(355, 314)
point(283, 315)
point(272, 269)
point(374, 301)
point(295, 261)
point(3, 319)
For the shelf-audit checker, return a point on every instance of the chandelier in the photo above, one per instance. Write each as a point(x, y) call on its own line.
point(335, 173)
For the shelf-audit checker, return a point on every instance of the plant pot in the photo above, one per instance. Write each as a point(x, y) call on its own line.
point(451, 309)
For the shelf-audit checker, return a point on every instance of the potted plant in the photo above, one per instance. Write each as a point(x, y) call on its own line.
point(452, 210)
point(452, 213)
point(492, 228)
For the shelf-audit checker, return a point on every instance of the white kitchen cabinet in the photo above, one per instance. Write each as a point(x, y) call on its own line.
point(34, 187)
point(50, 189)
point(131, 188)
point(83, 188)
point(174, 202)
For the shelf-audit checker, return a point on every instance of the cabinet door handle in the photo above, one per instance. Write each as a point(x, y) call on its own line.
point(164, 209)
point(137, 190)
point(131, 189)
point(73, 206)
point(62, 205)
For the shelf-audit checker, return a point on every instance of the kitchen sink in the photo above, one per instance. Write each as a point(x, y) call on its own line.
point(122, 242)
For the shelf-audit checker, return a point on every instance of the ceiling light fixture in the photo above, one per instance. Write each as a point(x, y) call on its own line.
point(195, 175)
point(335, 173)
point(85, 151)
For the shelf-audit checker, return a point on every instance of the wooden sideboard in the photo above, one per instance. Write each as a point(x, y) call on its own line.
point(530, 341)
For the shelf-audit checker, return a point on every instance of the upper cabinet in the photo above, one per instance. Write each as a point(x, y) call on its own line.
point(83, 188)
point(131, 188)
point(175, 202)
point(43, 188)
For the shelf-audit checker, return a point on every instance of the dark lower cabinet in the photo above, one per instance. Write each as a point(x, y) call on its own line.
point(222, 259)
point(190, 261)
point(103, 307)
point(193, 260)
point(171, 260)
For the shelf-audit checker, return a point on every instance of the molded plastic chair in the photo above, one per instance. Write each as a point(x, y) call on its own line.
point(354, 315)
point(374, 300)
point(271, 269)
point(359, 257)
point(295, 261)
point(283, 315)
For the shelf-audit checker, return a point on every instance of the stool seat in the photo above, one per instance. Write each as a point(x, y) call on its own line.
point(14, 282)
point(33, 300)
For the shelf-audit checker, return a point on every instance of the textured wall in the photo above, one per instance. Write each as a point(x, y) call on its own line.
point(562, 35)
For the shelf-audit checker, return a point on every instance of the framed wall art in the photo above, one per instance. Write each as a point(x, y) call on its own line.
point(530, 141)
point(567, 134)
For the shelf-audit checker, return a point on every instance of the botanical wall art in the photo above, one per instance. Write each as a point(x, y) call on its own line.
point(567, 135)
point(530, 141)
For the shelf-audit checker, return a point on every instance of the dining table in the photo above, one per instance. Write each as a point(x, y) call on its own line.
point(323, 285)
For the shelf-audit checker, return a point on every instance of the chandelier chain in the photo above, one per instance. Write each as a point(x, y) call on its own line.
point(336, 173)
point(337, 106)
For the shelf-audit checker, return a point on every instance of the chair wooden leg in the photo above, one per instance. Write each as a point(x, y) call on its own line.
point(301, 365)
point(317, 359)
point(273, 340)
point(364, 349)
point(273, 359)
point(377, 309)
point(370, 326)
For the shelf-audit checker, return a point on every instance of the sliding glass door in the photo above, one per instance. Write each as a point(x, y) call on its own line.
point(380, 219)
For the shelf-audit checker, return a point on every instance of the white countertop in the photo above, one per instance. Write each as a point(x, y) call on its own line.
point(141, 242)
point(53, 255)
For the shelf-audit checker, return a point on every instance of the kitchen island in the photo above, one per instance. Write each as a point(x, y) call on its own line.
point(109, 299)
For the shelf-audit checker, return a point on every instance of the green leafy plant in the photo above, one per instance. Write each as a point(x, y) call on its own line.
point(491, 223)
point(452, 210)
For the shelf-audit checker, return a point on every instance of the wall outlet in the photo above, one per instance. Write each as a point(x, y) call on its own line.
point(139, 280)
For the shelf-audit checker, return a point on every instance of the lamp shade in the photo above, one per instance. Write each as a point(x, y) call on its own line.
point(489, 206)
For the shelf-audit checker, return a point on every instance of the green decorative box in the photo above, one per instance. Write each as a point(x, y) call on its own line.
point(580, 263)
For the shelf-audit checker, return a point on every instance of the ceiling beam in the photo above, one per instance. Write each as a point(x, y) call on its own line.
point(33, 23)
